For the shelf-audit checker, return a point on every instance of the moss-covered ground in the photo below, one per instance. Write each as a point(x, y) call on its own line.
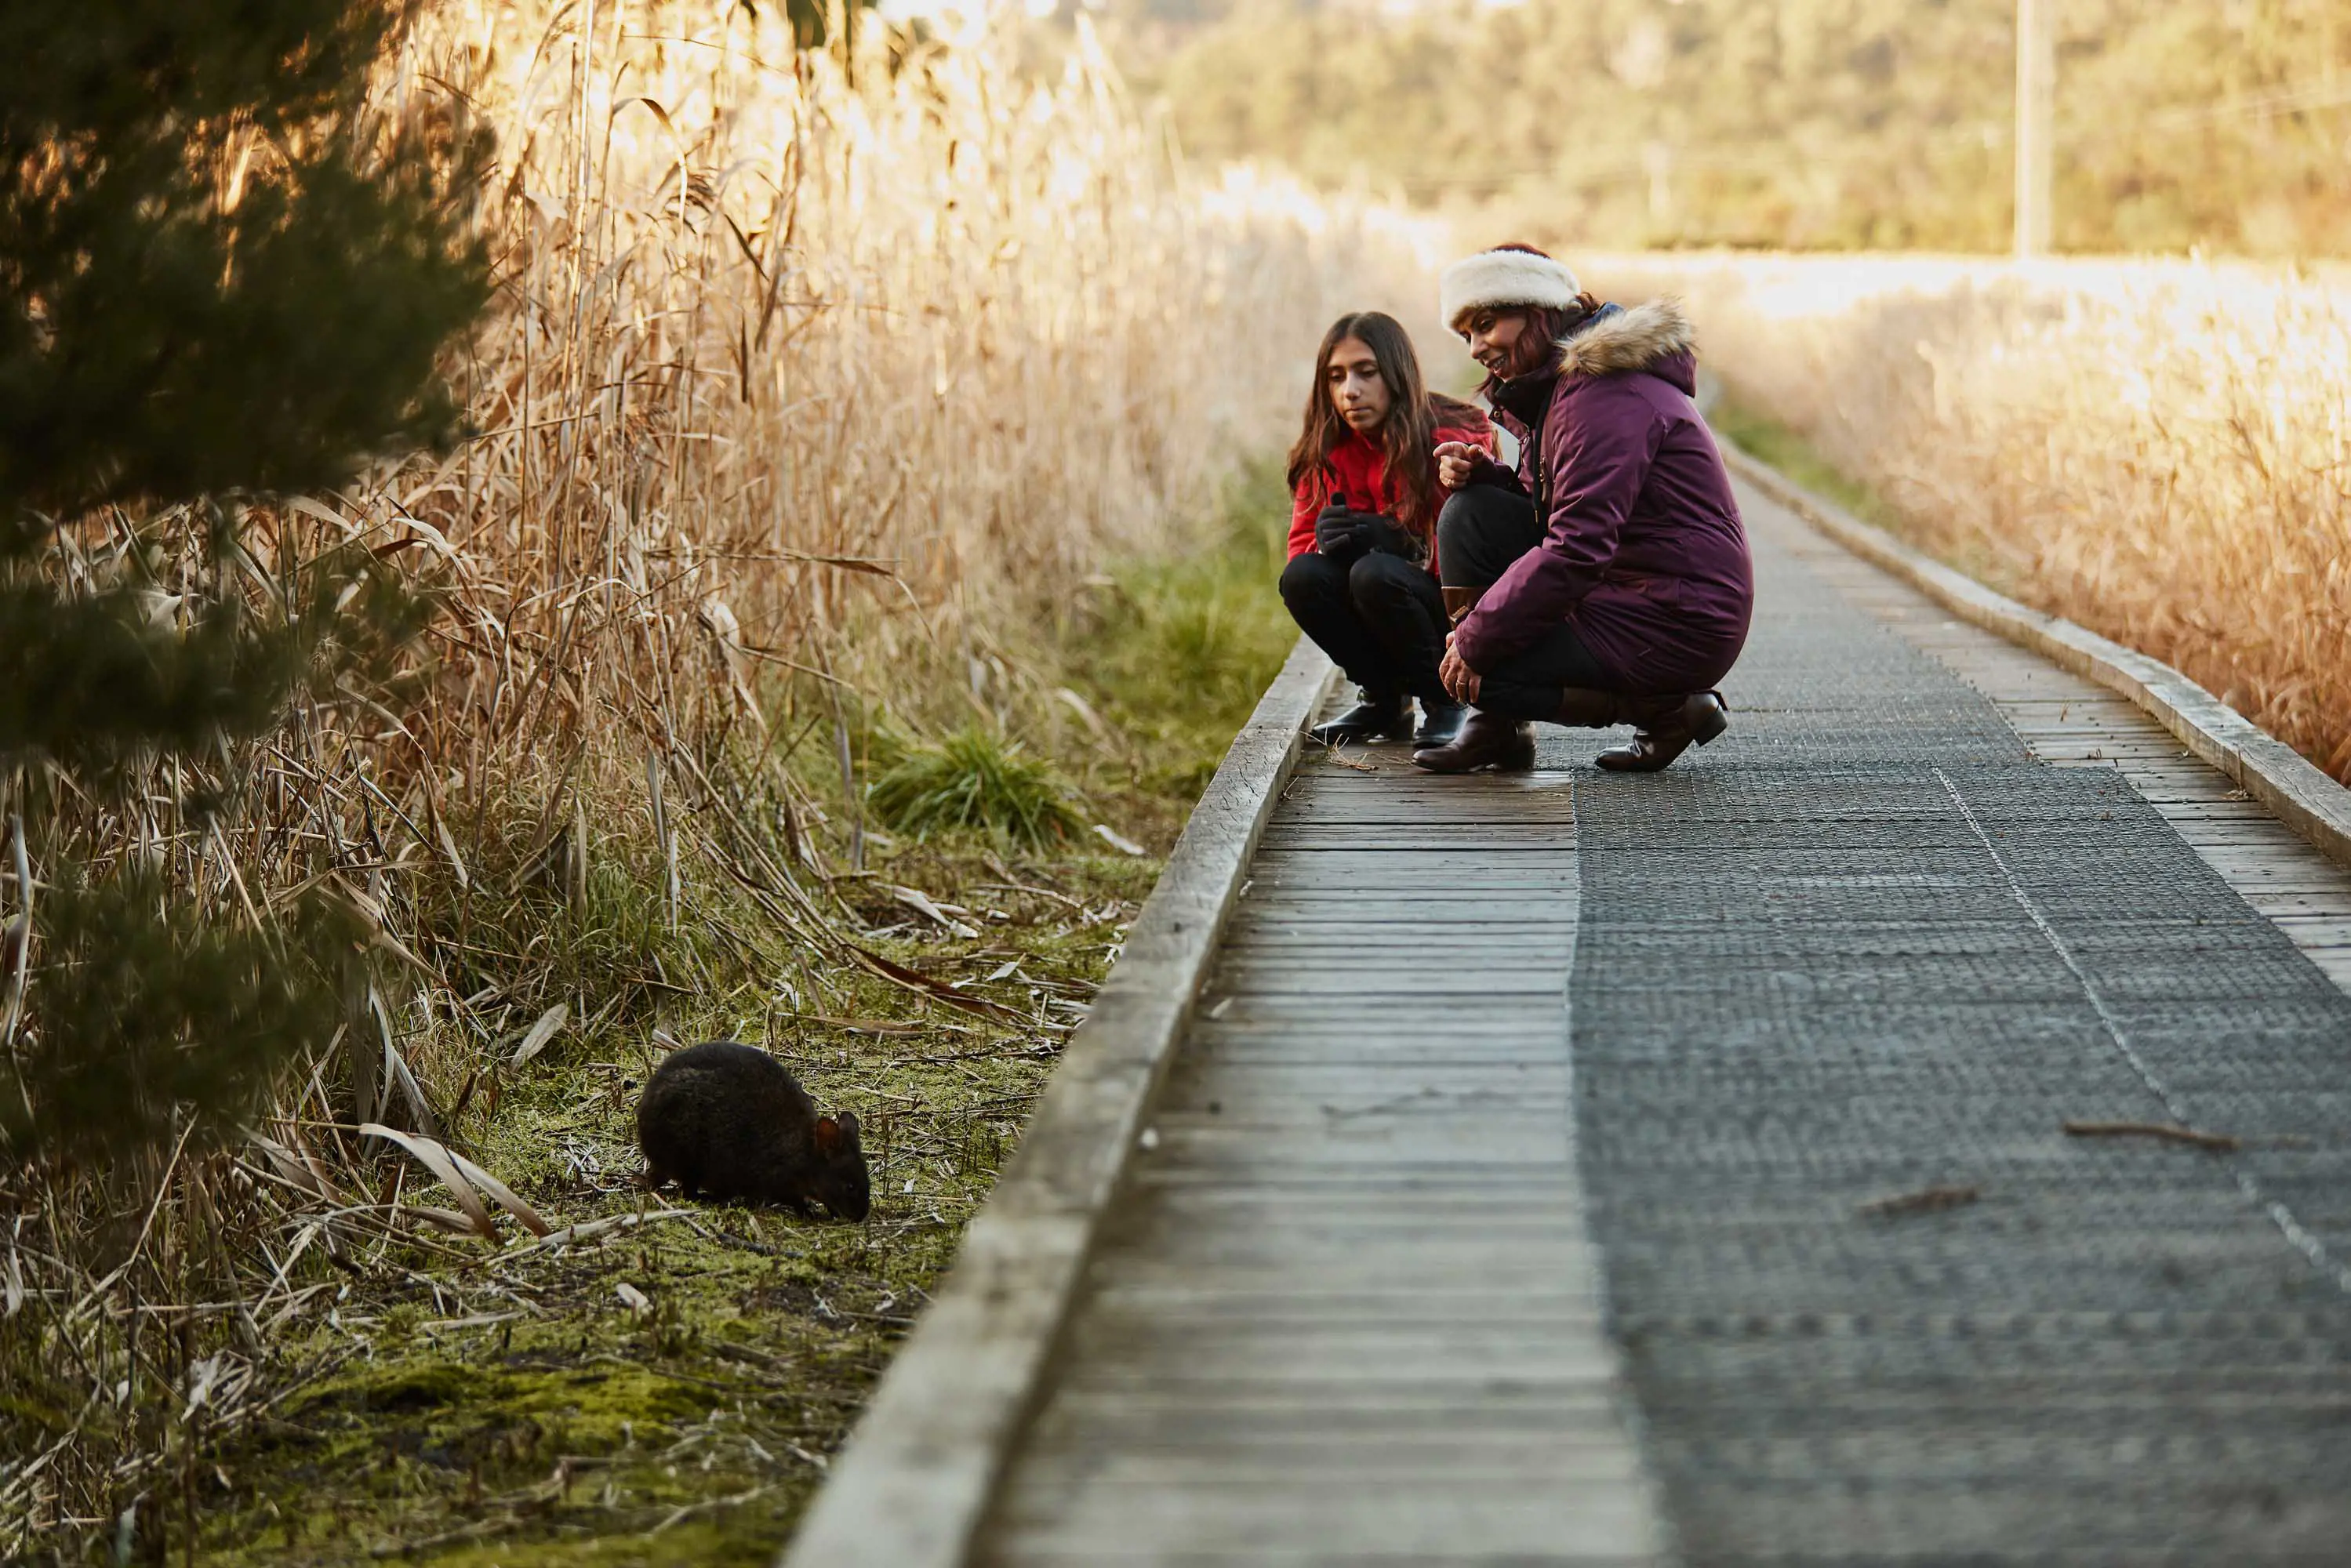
point(670, 1390)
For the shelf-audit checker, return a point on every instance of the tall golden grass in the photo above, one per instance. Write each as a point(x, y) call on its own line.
point(798, 345)
point(809, 371)
point(2159, 450)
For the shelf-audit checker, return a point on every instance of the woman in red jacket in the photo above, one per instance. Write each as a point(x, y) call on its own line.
point(1361, 575)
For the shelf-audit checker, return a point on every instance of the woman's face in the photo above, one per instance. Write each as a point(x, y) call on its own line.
point(1358, 394)
point(1497, 340)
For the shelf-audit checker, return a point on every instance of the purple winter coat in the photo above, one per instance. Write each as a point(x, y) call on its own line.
point(1645, 557)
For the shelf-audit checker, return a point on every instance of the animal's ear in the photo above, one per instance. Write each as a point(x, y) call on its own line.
point(828, 1134)
point(849, 1128)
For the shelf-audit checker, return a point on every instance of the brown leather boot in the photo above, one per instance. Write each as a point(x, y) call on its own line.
point(1487, 740)
point(1582, 708)
point(1692, 721)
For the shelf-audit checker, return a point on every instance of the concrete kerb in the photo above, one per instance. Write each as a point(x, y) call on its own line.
point(2265, 766)
point(913, 1486)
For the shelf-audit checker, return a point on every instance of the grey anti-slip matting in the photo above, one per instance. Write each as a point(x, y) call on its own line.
point(1866, 948)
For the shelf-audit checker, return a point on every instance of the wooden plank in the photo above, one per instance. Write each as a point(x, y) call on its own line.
point(2235, 833)
point(1359, 1521)
point(1193, 1244)
point(1306, 938)
point(1339, 1276)
point(1188, 1245)
point(1467, 986)
point(1455, 1145)
point(1464, 838)
point(1416, 1414)
point(1297, 1119)
point(1410, 869)
point(1363, 1045)
point(1221, 1457)
point(1222, 1450)
point(1343, 900)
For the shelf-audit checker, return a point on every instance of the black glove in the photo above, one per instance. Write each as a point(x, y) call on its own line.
point(1384, 534)
point(1335, 531)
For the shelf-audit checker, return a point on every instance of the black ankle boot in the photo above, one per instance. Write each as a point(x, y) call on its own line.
point(1373, 717)
point(1487, 740)
point(1666, 734)
point(1441, 719)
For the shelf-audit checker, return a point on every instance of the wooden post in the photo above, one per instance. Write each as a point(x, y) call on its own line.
point(2036, 73)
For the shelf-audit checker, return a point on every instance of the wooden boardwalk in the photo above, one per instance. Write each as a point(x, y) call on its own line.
point(1361, 1297)
point(1347, 1311)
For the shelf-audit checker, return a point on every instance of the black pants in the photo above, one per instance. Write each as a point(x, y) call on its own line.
point(1379, 617)
point(1480, 532)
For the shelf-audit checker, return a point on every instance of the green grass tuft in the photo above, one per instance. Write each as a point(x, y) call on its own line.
point(975, 782)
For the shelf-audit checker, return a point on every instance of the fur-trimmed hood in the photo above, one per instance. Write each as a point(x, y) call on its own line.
point(1656, 337)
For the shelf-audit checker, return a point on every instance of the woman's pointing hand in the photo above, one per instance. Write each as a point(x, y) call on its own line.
point(1456, 461)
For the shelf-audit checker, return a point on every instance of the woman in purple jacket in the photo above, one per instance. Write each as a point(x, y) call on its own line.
point(1607, 581)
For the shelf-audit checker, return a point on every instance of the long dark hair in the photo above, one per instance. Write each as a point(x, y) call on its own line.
point(1407, 439)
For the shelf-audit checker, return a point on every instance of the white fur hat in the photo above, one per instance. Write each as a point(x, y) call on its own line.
point(1504, 278)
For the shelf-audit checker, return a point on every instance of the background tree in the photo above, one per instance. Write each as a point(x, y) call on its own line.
point(224, 277)
point(1809, 124)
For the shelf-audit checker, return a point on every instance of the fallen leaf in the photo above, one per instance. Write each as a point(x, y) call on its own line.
point(1117, 840)
point(540, 1033)
point(915, 899)
point(437, 1160)
point(523, 1212)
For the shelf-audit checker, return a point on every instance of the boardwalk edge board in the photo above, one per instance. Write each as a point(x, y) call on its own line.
point(914, 1482)
point(2269, 770)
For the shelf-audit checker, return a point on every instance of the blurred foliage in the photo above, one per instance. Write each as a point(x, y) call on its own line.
point(116, 673)
point(192, 194)
point(144, 1018)
point(224, 273)
point(1787, 123)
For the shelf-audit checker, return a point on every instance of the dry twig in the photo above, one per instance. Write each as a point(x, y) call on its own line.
point(2168, 1131)
point(1926, 1200)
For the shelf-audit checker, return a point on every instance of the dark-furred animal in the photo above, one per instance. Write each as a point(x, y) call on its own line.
point(726, 1119)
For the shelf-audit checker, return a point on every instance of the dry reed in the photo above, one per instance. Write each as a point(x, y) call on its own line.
point(807, 375)
point(2159, 450)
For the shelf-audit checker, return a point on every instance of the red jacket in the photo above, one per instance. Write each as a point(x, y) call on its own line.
point(1360, 472)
